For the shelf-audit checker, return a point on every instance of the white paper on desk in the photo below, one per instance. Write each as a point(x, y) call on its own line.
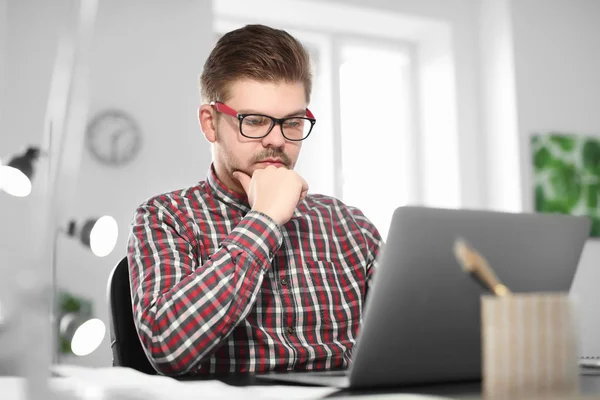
point(268, 392)
point(12, 388)
point(294, 392)
point(119, 383)
point(78, 384)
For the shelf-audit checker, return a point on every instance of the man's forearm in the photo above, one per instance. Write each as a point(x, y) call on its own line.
point(182, 324)
point(187, 323)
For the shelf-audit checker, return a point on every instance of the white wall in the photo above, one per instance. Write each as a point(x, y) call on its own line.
point(3, 39)
point(147, 57)
point(557, 72)
point(439, 136)
point(499, 107)
point(557, 59)
point(28, 55)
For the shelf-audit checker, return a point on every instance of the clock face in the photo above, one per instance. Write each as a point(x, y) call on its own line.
point(113, 137)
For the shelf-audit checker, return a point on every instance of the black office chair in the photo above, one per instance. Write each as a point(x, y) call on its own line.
point(124, 341)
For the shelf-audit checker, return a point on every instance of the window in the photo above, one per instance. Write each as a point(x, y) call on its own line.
point(385, 100)
point(375, 120)
point(363, 148)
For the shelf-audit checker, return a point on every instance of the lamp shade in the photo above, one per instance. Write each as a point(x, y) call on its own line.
point(80, 333)
point(14, 182)
point(99, 234)
point(88, 337)
point(17, 174)
point(25, 161)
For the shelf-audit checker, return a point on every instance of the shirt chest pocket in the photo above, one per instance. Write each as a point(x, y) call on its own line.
point(331, 294)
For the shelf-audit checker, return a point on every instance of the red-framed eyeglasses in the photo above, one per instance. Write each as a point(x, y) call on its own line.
point(257, 126)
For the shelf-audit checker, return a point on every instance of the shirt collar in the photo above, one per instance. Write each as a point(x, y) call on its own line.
point(223, 193)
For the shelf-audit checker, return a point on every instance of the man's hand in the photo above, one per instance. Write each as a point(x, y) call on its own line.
point(273, 191)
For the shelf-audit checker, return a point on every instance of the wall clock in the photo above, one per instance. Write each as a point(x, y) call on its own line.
point(113, 137)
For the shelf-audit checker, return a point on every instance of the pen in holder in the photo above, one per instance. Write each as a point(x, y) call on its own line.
point(477, 266)
point(529, 340)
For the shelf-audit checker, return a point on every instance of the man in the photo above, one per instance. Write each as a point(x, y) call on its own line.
point(246, 271)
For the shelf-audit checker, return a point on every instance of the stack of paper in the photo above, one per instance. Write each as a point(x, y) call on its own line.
point(118, 383)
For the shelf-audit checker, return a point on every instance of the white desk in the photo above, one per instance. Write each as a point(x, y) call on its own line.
point(117, 383)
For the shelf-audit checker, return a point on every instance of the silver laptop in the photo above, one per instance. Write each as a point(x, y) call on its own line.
point(421, 322)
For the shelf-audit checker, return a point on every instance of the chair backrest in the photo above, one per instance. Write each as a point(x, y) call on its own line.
point(124, 340)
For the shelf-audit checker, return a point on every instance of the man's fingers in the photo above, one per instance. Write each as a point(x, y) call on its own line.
point(244, 180)
point(304, 186)
point(304, 190)
point(303, 194)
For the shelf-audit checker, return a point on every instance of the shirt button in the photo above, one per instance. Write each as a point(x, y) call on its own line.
point(284, 282)
point(290, 330)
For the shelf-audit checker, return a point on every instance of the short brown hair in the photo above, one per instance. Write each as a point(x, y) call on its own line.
point(255, 52)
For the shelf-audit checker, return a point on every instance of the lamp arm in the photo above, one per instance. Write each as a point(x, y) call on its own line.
point(65, 120)
point(54, 312)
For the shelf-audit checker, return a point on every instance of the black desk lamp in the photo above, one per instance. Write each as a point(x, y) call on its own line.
point(78, 328)
point(79, 332)
point(17, 174)
point(98, 234)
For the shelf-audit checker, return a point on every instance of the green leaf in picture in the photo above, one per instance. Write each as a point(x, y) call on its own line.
point(595, 229)
point(534, 140)
point(540, 198)
point(554, 206)
point(565, 142)
point(542, 158)
point(566, 185)
point(591, 156)
point(592, 196)
point(555, 163)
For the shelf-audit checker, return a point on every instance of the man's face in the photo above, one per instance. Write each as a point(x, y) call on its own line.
point(234, 152)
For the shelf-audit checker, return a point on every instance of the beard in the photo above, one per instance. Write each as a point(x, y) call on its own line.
point(231, 162)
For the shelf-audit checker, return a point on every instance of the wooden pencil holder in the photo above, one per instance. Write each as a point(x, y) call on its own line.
point(529, 346)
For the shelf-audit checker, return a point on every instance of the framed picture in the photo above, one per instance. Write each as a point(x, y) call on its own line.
point(566, 175)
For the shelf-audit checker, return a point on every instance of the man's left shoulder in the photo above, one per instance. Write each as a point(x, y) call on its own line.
point(342, 214)
point(334, 205)
point(323, 200)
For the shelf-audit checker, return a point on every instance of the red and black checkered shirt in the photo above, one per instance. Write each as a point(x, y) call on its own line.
point(219, 288)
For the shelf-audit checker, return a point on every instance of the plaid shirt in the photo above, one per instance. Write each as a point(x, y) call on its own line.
point(219, 288)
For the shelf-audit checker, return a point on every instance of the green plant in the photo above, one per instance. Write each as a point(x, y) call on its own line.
point(566, 175)
point(70, 304)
